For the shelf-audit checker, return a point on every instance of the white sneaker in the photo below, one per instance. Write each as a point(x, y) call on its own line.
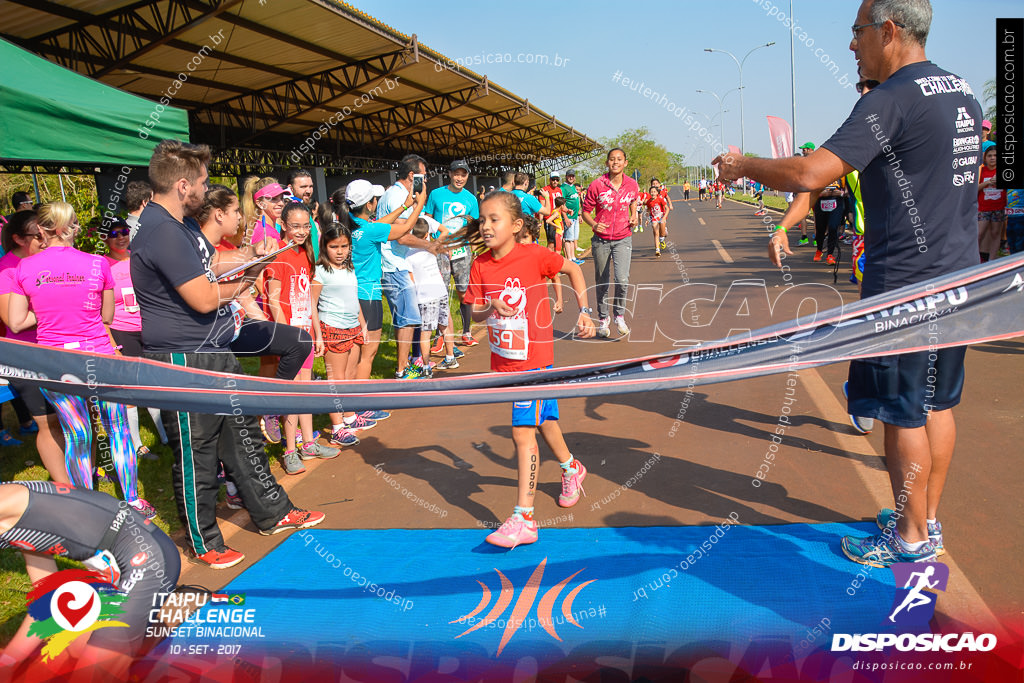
point(602, 328)
point(620, 323)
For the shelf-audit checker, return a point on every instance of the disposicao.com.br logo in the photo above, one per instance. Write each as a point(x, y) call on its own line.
point(70, 604)
point(912, 609)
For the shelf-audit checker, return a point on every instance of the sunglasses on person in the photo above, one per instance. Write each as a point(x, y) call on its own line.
point(119, 232)
point(860, 27)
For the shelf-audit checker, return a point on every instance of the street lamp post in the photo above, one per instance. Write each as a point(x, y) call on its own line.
point(739, 65)
point(721, 112)
point(711, 127)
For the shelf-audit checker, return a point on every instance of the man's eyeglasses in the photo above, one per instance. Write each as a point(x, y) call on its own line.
point(120, 232)
point(860, 27)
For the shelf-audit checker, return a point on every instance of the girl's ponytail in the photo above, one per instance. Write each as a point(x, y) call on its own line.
point(470, 234)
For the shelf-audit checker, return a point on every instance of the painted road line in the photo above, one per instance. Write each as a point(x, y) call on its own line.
point(721, 251)
point(964, 604)
point(701, 221)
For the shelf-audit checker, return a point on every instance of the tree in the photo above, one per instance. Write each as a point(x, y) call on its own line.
point(645, 155)
point(676, 172)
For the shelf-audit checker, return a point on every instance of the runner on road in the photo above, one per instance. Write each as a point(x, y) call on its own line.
point(657, 207)
point(610, 208)
point(508, 289)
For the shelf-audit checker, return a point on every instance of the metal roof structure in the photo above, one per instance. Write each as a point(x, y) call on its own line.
point(272, 83)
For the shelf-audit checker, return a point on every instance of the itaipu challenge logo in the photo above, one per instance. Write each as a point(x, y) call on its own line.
point(70, 604)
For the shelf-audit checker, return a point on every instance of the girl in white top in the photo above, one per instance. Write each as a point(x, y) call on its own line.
point(338, 324)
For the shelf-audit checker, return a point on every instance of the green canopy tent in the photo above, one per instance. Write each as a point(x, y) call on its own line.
point(51, 114)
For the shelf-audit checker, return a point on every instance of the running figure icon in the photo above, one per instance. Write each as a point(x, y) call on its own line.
point(916, 598)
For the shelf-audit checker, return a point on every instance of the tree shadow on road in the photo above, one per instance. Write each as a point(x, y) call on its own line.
point(701, 412)
point(454, 483)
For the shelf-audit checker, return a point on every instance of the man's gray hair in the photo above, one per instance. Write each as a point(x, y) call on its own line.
point(915, 15)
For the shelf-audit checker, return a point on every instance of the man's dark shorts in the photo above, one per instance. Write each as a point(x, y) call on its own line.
point(901, 390)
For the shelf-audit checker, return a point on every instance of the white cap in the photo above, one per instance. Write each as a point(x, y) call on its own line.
point(360, 191)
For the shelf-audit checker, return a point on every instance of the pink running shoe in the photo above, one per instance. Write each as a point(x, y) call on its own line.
point(143, 507)
point(572, 486)
point(515, 531)
point(360, 424)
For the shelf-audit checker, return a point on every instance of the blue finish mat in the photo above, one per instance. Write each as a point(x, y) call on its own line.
point(384, 591)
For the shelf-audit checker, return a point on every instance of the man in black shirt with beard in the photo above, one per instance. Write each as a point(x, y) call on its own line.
point(186, 322)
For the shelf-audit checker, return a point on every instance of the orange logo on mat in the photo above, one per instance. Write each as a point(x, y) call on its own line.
point(524, 604)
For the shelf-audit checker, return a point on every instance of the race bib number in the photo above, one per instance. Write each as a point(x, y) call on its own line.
point(459, 253)
point(828, 204)
point(508, 337)
point(128, 297)
point(992, 194)
point(302, 305)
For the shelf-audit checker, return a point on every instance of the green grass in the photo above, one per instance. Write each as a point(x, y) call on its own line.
point(586, 234)
point(769, 201)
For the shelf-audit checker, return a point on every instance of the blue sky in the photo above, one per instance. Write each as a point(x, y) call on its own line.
point(661, 42)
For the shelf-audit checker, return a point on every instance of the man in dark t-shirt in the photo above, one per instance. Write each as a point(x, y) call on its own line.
point(916, 140)
point(169, 323)
point(186, 322)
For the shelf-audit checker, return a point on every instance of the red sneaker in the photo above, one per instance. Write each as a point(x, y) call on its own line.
point(438, 346)
point(296, 519)
point(817, 255)
point(219, 559)
point(831, 260)
point(467, 340)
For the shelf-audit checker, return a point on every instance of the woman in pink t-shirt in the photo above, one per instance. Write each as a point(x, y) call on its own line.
point(69, 296)
point(126, 328)
point(21, 239)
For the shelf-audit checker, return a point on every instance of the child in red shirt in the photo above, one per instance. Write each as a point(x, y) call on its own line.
point(290, 302)
point(657, 208)
point(508, 289)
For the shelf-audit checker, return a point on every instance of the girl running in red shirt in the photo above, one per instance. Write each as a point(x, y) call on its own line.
point(508, 289)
